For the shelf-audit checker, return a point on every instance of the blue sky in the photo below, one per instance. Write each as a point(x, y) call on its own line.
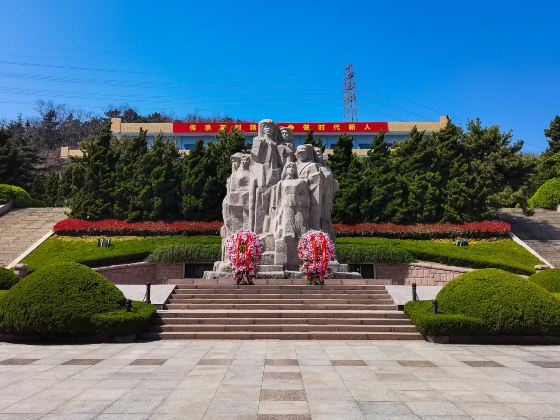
point(413, 60)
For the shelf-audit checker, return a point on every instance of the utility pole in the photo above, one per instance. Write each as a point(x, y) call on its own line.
point(350, 107)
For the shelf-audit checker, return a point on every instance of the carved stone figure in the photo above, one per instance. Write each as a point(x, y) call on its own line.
point(292, 215)
point(279, 193)
point(309, 170)
point(331, 186)
point(285, 146)
point(235, 206)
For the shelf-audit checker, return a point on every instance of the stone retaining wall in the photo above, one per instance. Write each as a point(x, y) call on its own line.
point(141, 273)
point(421, 273)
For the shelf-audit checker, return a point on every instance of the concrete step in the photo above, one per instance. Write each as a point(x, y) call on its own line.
point(277, 287)
point(164, 320)
point(300, 295)
point(283, 328)
point(284, 314)
point(256, 335)
point(279, 306)
point(275, 282)
point(221, 301)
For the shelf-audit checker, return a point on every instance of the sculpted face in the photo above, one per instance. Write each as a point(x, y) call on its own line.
point(302, 153)
point(286, 135)
point(318, 154)
point(234, 166)
point(268, 129)
point(245, 162)
point(290, 170)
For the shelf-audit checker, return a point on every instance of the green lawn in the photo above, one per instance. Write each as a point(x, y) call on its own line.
point(122, 250)
point(499, 253)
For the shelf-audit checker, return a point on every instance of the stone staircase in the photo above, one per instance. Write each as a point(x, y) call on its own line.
point(280, 309)
point(541, 231)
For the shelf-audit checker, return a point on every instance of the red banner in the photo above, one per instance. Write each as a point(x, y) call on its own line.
point(302, 128)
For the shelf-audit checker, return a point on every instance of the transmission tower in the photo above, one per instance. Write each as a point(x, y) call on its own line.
point(350, 107)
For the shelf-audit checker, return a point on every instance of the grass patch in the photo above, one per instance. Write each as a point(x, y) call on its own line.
point(122, 249)
point(497, 253)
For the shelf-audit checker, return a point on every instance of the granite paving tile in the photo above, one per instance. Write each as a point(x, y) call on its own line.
point(282, 395)
point(482, 363)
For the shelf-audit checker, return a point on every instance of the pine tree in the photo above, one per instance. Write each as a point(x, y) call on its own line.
point(314, 141)
point(94, 179)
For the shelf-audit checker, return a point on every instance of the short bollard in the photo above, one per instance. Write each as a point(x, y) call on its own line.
point(128, 305)
point(148, 286)
point(414, 295)
point(434, 306)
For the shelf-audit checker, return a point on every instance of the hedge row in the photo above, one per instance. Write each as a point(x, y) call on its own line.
point(76, 227)
point(386, 253)
point(442, 324)
point(188, 253)
point(122, 322)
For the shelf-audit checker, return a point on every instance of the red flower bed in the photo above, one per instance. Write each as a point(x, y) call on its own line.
point(114, 227)
point(485, 229)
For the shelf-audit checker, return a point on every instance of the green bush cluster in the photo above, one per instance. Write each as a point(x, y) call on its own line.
point(549, 279)
point(547, 196)
point(7, 278)
point(61, 300)
point(501, 253)
point(380, 253)
point(12, 193)
point(189, 253)
point(420, 313)
point(505, 303)
point(122, 322)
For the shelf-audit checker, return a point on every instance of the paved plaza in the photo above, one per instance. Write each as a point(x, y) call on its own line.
point(278, 380)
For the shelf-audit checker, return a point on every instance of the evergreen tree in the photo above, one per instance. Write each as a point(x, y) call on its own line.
point(17, 162)
point(93, 179)
point(549, 162)
point(314, 141)
point(130, 177)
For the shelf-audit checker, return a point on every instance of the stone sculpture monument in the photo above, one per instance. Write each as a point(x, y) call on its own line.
point(278, 192)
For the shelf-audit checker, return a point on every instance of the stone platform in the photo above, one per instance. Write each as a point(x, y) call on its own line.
point(272, 271)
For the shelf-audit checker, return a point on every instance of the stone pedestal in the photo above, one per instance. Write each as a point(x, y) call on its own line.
point(279, 193)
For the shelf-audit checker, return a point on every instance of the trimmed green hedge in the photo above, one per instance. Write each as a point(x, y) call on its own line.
point(58, 300)
point(547, 196)
point(507, 304)
point(420, 313)
point(499, 253)
point(549, 279)
point(7, 278)
point(122, 322)
point(189, 253)
point(122, 249)
point(12, 193)
point(364, 253)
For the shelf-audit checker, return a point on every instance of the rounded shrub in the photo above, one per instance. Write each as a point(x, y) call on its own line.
point(506, 303)
point(12, 193)
point(7, 278)
point(547, 196)
point(549, 279)
point(58, 300)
